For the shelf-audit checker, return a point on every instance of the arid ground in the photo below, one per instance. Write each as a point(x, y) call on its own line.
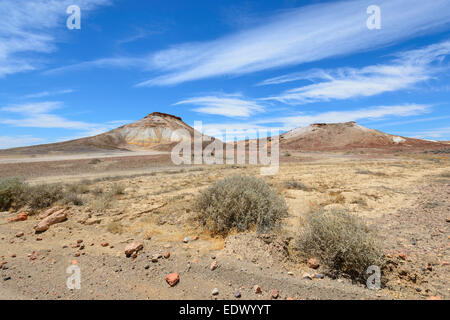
point(403, 198)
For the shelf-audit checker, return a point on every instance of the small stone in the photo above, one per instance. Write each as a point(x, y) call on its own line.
point(155, 258)
point(257, 289)
point(306, 276)
point(79, 241)
point(20, 234)
point(38, 239)
point(215, 292)
point(213, 265)
point(186, 240)
point(274, 294)
point(105, 244)
point(147, 267)
point(434, 298)
point(290, 273)
point(166, 255)
point(196, 238)
point(13, 255)
point(133, 248)
point(76, 254)
point(313, 263)
point(237, 294)
point(20, 217)
point(6, 278)
point(429, 267)
point(172, 279)
point(319, 276)
point(402, 256)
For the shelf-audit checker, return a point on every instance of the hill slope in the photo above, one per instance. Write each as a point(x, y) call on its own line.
point(347, 136)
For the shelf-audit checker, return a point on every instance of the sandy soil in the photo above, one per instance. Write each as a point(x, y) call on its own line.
point(405, 200)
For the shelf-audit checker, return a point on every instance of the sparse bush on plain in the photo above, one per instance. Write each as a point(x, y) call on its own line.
point(341, 241)
point(295, 185)
point(73, 198)
point(114, 227)
point(43, 196)
point(12, 193)
point(103, 201)
point(117, 189)
point(240, 203)
point(379, 174)
point(78, 188)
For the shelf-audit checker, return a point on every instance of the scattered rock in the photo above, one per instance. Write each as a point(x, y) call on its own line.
point(196, 238)
point(38, 239)
point(134, 247)
point(257, 289)
point(48, 212)
point(155, 258)
point(58, 216)
point(186, 240)
point(434, 298)
point(20, 217)
point(319, 276)
point(306, 276)
point(274, 294)
point(237, 294)
point(166, 255)
point(213, 265)
point(215, 292)
point(6, 278)
point(105, 244)
point(313, 263)
point(20, 234)
point(429, 267)
point(402, 256)
point(172, 279)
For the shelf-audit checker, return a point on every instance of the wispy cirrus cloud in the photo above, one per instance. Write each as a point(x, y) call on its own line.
point(48, 93)
point(42, 115)
point(224, 105)
point(28, 27)
point(18, 141)
point(377, 112)
point(306, 34)
point(407, 70)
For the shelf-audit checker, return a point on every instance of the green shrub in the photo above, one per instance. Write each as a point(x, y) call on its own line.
point(341, 241)
point(12, 193)
point(240, 203)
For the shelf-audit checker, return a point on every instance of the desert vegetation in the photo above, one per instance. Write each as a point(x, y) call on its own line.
point(240, 203)
point(340, 240)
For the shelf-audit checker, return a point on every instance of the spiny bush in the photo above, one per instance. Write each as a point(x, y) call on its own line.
point(341, 241)
point(12, 193)
point(240, 203)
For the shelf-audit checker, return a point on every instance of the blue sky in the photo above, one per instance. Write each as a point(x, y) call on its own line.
point(231, 64)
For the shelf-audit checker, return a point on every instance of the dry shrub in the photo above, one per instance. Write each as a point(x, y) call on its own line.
point(103, 201)
point(295, 185)
point(341, 241)
point(240, 203)
point(73, 198)
point(12, 193)
point(117, 189)
point(78, 188)
point(43, 196)
point(114, 227)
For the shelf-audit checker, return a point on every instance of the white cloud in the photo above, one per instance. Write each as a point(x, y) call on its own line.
point(298, 36)
point(38, 115)
point(439, 134)
point(33, 108)
point(408, 69)
point(227, 105)
point(7, 142)
point(28, 27)
point(378, 112)
point(48, 93)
